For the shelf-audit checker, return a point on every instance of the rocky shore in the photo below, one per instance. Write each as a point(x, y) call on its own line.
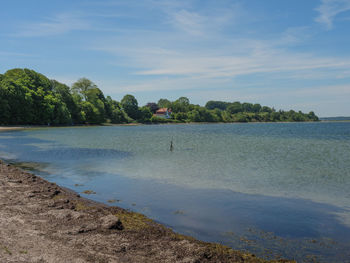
point(42, 222)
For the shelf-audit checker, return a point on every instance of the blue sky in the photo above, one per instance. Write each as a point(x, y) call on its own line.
point(290, 54)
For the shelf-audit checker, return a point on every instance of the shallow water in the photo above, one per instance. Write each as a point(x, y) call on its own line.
point(273, 188)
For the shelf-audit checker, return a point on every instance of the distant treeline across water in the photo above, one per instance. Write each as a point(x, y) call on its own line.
point(28, 97)
point(339, 118)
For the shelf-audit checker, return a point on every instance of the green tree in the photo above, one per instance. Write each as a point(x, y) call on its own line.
point(235, 107)
point(275, 116)
point(193, 116)
point(93, 103)
point(164, 103)
point(28, 97)
point(114, 111)
point(130, 106)
point(240, 117)
point(180, 105)
point(72, 101)
point(118, 116)
point(180, 116)
point(247, 107)
point(82, 86)
point(205, 115)
point(266, 109)
point(55, 111)
point(211, 105)
point(90, 113)
point(256, 108)
point(226, 116)
point(145, 114)
point(152, 106)
point(217, 113)
point(4, 106)
point(311, 116)
point(96, 97)
point(264, 116)
point(183, 101)
point(25, 91)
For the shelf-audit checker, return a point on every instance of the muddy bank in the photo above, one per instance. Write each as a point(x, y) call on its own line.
point(42, 222)
point(11, 128)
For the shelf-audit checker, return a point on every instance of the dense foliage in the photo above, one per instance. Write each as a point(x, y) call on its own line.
point(28, 97)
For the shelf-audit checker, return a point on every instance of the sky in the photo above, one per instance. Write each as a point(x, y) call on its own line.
point(290, 54)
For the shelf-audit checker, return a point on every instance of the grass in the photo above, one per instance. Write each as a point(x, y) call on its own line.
point(7, 250)
point(221, 251)
point(113, 200)
point(59, 197)
point(134, 221)
point(81, 206)
point(178, 236)
point(88, 192)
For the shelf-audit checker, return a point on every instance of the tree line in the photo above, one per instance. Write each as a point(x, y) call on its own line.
point(28, 97)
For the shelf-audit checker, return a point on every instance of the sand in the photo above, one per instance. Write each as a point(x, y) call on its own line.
point(5, 128)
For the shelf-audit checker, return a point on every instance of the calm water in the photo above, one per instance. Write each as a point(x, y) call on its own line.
point(273, 189)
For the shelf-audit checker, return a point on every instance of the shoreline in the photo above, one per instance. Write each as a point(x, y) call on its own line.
point(13, 128)
point(44, 222)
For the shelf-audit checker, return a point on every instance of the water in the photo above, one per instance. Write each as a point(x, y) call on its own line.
point(275, 189)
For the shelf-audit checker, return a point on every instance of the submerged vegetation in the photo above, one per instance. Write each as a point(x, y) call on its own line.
point(28, 97)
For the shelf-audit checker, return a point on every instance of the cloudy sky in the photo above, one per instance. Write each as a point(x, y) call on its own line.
point(291, 54)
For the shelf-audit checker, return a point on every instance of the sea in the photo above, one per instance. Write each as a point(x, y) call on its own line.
point(277, 190)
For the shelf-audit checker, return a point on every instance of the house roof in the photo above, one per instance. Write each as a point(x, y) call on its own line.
point(163, 110)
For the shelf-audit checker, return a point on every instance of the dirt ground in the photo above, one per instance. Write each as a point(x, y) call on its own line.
point(10, 128)
point(42, 222)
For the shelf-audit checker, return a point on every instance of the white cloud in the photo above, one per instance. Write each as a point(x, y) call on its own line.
point(197, 20)
point(218, 54)
point(329, 9)
point(189, 22)
point(189, 47)
point(193, 55)
point(295, 35)
point(202, 25)
point(168, 61)
point(207, 63)
point(56, 25)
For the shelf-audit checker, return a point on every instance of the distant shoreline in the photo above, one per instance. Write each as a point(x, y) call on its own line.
point(334, 120)
point(10, 128)
point(14, 128)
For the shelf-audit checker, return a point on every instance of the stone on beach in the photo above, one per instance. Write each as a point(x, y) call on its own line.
point(111, 222)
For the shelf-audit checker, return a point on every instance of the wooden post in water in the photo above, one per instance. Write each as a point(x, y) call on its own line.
point(171, 145)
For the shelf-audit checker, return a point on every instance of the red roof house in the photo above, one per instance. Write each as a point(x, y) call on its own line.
point(163, 113)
